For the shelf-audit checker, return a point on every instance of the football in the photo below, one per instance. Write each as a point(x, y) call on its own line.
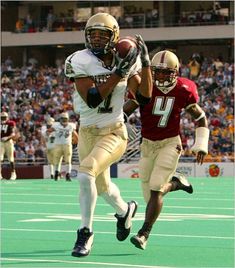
point(124, 45)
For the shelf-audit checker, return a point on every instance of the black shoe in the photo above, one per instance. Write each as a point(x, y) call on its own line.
point(124, 223)
point(140, 241)
point(84, 243)
point(68, 177)
point(182, 182)
point(52, 177)
point(56, 175)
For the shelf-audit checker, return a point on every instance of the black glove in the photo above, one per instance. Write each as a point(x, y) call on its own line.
point(123, 65)
point(144, 55)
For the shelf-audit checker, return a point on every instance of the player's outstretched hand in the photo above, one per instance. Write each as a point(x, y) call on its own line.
point(124, 65)
point(200, 156)
point(144, 55)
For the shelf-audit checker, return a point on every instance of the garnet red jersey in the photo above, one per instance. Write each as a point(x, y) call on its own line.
point(7, 128)
point(161, 117)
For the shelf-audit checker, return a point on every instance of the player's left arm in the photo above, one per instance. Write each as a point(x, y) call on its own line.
point(200, 147)
point(144, 91)
point(74, 137)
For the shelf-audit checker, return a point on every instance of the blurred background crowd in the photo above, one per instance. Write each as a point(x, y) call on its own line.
point(32, 93)
point(74, 19)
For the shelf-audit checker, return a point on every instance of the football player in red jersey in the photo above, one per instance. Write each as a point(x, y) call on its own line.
point(161, 144)
point(7, 144)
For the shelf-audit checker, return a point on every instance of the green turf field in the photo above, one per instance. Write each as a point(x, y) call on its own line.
point(40, 218)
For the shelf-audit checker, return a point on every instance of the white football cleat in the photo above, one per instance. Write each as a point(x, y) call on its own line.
point(13, 176)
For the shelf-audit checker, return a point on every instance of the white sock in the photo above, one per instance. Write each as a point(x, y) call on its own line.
point(113, 197)
point(68, 168)
point(87, 199)
point(51, 169)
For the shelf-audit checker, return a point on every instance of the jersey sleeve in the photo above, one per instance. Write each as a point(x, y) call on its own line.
point(74, 65)
point(193, 96)
point(12, 124)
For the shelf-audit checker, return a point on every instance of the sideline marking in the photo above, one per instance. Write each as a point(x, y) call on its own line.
point(87, 262)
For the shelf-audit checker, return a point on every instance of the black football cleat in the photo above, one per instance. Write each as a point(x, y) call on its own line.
point(83, 243)
point(140, 241)
point(67, 177)
point(124, 223)
point(182, 182)
point(56, 178)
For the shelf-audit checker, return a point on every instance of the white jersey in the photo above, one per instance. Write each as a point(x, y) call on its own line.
point(49, 138)
point(84, 64)
point(63, 135)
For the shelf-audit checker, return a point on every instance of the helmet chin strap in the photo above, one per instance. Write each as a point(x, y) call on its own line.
point(98, 52)
point(165, 90)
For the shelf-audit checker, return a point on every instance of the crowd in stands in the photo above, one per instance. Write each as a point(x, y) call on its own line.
point(132, 17)
point(32, 93)
point(213, 15)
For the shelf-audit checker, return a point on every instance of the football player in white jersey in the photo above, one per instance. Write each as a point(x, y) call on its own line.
point(49, 140)
point(101, 78)
point(64, 132)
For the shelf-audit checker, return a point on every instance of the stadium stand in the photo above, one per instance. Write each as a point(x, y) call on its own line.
point(31, 94)
point(32, 91)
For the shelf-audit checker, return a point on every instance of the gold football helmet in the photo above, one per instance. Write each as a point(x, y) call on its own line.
point(50, 121)
point(106, 24)
point(165, 68)
point(64, 118)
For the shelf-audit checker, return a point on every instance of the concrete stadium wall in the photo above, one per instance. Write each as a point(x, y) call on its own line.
point(10, 39)
point(24, 172)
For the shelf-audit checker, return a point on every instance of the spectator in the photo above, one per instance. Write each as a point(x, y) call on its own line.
point(19, 25)
point(50, 20)
point(194, 66)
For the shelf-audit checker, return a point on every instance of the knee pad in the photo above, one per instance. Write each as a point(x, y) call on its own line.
point(89, 165)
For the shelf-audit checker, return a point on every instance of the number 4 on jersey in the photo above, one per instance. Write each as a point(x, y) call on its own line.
point(163, 107)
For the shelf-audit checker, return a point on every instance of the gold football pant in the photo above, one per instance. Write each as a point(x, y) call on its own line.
point(98, 149)
point(159, 160)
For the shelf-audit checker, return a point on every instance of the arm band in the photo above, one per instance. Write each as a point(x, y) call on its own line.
point(200, 116)
point(141, 99)
point(93, 97)
point(125, 117)
point(201, 140)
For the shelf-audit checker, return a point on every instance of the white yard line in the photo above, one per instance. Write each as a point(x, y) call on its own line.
point(113, 233)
